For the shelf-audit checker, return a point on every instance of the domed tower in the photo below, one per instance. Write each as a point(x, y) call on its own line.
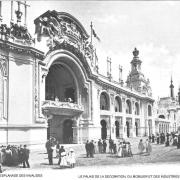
point(136, 79)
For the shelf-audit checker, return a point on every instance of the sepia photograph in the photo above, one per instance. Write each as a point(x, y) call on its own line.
point(89, 89)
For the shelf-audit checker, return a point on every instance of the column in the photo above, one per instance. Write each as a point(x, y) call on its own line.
point(113, 127)
point(0, 11)
point(12, 12)
point(121, 128)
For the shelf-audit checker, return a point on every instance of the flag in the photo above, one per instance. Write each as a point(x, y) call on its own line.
point(95, 35)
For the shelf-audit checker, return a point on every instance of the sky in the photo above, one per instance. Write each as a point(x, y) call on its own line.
point(153, 27)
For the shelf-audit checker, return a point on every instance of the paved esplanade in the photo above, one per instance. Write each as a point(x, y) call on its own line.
point(160, 154)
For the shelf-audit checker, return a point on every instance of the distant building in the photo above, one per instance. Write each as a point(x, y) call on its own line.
point(168, 112)
point(61, 94)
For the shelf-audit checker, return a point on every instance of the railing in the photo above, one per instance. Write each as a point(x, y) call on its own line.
point(61, 104)
point(58, 107)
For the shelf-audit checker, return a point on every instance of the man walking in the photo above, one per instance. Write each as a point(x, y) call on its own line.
point(50, 155)
point(104, 146)
point(100, 146)
point(91, 149)
point(87, 148)
point(25, 157)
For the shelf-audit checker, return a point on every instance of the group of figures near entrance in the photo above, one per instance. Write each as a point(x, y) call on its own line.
point(121, 148)
point(65, 158)
point(13, 155)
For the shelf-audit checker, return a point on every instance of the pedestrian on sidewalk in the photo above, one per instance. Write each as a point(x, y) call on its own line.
point(141, 146)
point(148, 147)
point(50, 155)
point(104, 146)
point(25, 157)
point(100, 146)
point(129, 149)
point(178, 141)
point(119, 154)
point(71, 158)
point(61, 150)
point(87, 149)
point(157, 138)
point(63, 163)
point(91, 149)
point(153, 138)
point(57, 148)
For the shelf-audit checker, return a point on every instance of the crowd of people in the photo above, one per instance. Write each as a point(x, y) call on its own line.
point(167, 139)
point(120, 148)
point(12, 155)
point(65, 158)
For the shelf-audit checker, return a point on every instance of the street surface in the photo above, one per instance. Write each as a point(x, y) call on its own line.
point(160, 155)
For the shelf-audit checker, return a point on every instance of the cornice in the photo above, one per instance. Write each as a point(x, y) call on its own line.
point(10, 46)
point(26, 126)
point(115, 88)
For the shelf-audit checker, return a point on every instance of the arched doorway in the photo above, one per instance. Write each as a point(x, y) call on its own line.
point(117, 129)
point(128, 128)
point(67, 131)
point(136, 126)
point(103, 129)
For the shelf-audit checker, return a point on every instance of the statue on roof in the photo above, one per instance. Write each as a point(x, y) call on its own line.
point(135, 52)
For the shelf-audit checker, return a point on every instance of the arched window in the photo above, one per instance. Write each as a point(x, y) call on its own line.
point(118, 104)
point(128, 107)
point(149, 110)
point(162, 116)
point(104, 101)
point(136, 108)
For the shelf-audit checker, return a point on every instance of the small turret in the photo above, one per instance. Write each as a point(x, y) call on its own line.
point(171, 89)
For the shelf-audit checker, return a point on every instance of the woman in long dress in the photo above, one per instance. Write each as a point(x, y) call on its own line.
point(141, 146)
point(148, 147)
point(71, 158)
point(63, 162)
point(124, 151)
point(119, 154)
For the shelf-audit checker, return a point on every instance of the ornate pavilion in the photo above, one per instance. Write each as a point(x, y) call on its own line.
point(61, 93)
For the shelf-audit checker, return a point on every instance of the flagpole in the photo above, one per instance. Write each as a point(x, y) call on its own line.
point(91, 31)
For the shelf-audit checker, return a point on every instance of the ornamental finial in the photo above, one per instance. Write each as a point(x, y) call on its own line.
point(135, 52)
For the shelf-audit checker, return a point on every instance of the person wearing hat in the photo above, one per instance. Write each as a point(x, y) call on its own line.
point(25, 157)
point(71, 158)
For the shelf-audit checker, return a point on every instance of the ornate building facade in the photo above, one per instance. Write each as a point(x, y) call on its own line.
point(168, 112)
point(61, 93)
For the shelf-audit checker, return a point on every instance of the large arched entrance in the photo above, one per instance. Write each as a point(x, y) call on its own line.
point(66, 97)
point(68, 131)
point(60, 84)
point(103, 129)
